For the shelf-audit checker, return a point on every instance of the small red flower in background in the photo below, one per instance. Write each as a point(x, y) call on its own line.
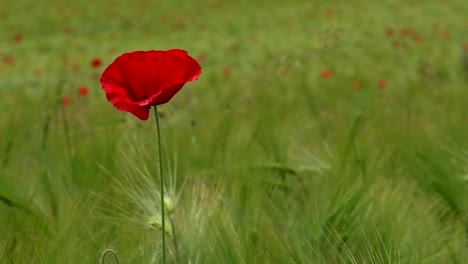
point(138, 80)
point(417, 37)
point(96, 63)
point(328, 13)
point(327, 74)
point(37, 72)
point(66, 101)
point(390, 32)
point(201, 57)
point(18, 38)
point(84, 91)
point(9, 60)
point(382, 83)
point(226, 71)
point(407, 31)
point(446, 35)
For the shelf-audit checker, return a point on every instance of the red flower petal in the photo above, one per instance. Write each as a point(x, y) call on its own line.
point(138, 80)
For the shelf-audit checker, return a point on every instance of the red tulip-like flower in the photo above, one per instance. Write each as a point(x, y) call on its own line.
point(138, 80)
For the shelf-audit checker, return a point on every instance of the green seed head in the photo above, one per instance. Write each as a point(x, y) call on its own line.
point(155, 222)
point(169, 204)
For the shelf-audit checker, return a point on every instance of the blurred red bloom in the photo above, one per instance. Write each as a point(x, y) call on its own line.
point(407, 31)
point(202, 57)
point(66, 100)
point(10, 60)
point(327, 74)
point(382, 83)
point(417, 37)
point(390, 32)
point(138, 80)
point(18, 38)
point(328, 13)
point(84, 91)
point(37, 72)
point(226, 71)
point(96, 63)
point(446, 35)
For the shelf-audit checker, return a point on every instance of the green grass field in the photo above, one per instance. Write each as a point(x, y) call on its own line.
point(319, 132)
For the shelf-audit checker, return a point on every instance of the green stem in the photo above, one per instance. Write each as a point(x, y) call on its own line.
point(161, 185)
point(176, 246)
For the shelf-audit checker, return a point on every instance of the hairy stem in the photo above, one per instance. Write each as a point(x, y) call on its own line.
point(161, 184)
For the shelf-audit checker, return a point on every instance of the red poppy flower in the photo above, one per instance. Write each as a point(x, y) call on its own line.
point(407, 31)
point(84, 91)
point(66, 100)
point(327, 74)
point(446, 35)
point(138, 80)
point(382, 83)
point(226, 71)
point(202, 57)
point(417, 37)
point(37, 72)
point(95, 63)
point(328, 13)
point(390, 32)
point(9, 60)
point(18, 38)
